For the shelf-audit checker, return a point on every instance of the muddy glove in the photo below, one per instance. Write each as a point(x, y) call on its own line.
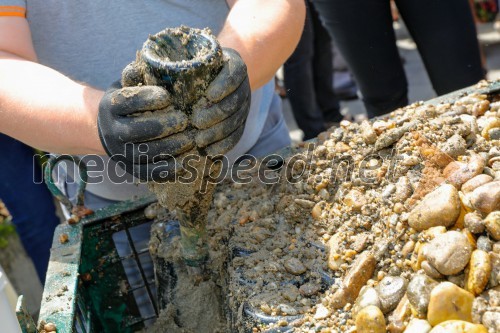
point(220, 124)
point(140, 127)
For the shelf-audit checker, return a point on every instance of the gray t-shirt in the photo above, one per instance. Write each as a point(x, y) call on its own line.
point(91, 41)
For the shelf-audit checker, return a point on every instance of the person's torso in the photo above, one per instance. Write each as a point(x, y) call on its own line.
point(91, 41)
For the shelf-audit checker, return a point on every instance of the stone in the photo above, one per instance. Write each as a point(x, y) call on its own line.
point(484, 243)
point(295, 266)
point(418, 326)
point(492, 224)
point(454, 146)
point(360, 242)
point(360, 272)
point(309, 289)
point(403, 189)
point(449, 253)
point(321, 312)
point(486, 310)
point(430, 270)
point(494, 133)
point(474, 222)
point(458, 173)
point(449, 302)
point(370, 320)
point(355, 199)
point(491, 320)
point(458, 280)
point(441, 207)
point(367, 296)
point(390, 291)
point(399, 317)
point(367, 132)
point(495, 270)
point(458, 326)
point(290, 293)
point(334, 257)
point(287, 310)
point(479, 272)
point(475, 182)
point(486, 198)
point(419, 293)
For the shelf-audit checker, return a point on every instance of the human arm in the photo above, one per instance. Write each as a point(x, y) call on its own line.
point(39, 105)
point(265, 33)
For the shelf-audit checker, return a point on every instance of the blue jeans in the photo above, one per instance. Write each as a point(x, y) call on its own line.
point(30, 204)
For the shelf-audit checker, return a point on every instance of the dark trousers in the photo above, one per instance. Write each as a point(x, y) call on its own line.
point(443, 30)
point(309, 78)
point(30, 204)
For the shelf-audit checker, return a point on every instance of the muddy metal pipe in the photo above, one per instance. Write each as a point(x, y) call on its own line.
point(185, 61)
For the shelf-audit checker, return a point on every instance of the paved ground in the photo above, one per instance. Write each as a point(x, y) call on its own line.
point(419, 85)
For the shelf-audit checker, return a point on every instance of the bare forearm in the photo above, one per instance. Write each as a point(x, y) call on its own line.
point(46, 109)
point(265, 33)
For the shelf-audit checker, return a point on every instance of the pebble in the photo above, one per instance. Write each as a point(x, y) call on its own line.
point(367, 296)
point(355, 199)
point(309, 289)
point(295, 266)
point(486, 310)
point(458, 173)
point(454, 146)
point(486, 198)
point(491, 319)
point(368, 133)
point(458, 326)
point(492, 224)
point(475, 182)
point(403, 189)
point(334, 257)
point(419, 293)
point(288, 310)
point(484, 243)
point(441, 207)
point(321, 312)
point(449, 253)
point(360, 242)
point(400, 316)
point(495, 270)
point(290, 293)
point(474, 222)
point(418, 326)
point(479, 272)
point(316, 211)
point(494, 133)
point(430, 270)
point(360, 272)
point(390, 291)
point(449, 302)
point(370, 320)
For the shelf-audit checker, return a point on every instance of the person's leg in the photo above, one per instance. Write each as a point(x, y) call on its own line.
point(362, 31)
point(299, 82)
point(322, 65)
point(30, 204)
point(445, 34)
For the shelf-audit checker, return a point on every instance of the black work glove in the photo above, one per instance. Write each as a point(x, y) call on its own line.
point(139, 126)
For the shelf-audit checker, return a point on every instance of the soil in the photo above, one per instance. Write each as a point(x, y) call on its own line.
point(272, 241)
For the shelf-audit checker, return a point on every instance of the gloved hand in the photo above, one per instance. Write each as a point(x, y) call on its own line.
point(139, 126)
